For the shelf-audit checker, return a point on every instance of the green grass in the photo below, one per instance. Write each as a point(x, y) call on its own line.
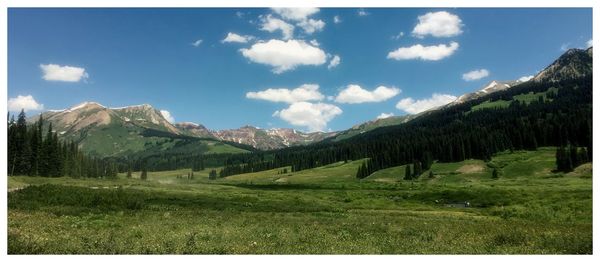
point(524, 98)
point(326, 210)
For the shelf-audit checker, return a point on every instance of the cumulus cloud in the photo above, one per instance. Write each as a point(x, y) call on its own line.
point(311, 25)
point(272, 24)
point(412, 106)
point(362, 12)
point(525, 78)
point(589, 43)
point(335, 61)
point(167, 115)
point(475, 75)
point(385, 115)
point(432, 53)
point(314, 116)
point(306, 92)
point(337, 19)
point(27, 103)
point(354, 94)
point(284, 55)
point(197, 43)
point(296, 13)
point(53, 72)
point(235, 38)
point(438, 24)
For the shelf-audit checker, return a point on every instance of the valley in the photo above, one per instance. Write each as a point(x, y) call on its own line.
point(325, 210)
point(503, 168)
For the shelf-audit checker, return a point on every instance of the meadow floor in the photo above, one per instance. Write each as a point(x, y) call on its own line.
point(326, 210)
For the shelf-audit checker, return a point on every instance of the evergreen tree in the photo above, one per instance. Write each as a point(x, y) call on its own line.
point(144, 174)
point(417, 169)
point(495, 173)
point(212, 175)
point(407, 173)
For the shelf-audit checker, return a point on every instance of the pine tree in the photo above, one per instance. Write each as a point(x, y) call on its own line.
point(212, 175)
point(418, 170)
point(407, 173)
point(23, 166)
point(495, 173)
point(144, 174)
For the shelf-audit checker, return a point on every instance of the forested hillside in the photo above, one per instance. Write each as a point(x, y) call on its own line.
point(529, 115)
point(33, 152)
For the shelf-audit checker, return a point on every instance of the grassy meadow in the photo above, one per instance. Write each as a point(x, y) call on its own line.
point(528, 210)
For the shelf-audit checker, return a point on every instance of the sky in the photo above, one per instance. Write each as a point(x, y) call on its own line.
point(305, 68)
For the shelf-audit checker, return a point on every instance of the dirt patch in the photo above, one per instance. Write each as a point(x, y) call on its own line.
point(584, 170)
point(469, 169)
point(281, 180)
point(386, 180)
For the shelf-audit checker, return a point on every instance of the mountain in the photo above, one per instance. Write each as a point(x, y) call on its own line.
point(491, 87)
point(118, 131)
point(574, 63)
point(373, 124)
point(267, 139)
point(554, 111)
point(193, 129)
point(104, 131)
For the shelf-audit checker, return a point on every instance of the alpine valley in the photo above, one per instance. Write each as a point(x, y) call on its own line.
point(503, 166)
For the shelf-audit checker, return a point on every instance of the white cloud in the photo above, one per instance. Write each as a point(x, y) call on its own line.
point(54, 72)
point(385, 115)
point(525, 78)
point(239, 14)
point(272, 24)
point(354, 94)
point(398, 36)
point(167, 115)
point(438, 24)
point(296, 13)
point(475, 75)
point(412, 106)
point(235, 38)
point(335, 61)
point(315, 42)
point(432, 53)
point(197, 43)
point(362, 12)
point(337, 19)
point(589, 43)
point(565, 46)
point(306, 92)
point(284, 55)
point(27, 103)
point(314, 116)
point(310, 25)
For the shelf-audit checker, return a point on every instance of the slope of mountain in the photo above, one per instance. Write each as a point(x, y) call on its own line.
point(572, 64)
point(552, 112)
point(489, 88)
point(267, 139)
point(106, 131)
point(193, 129)
point(370, 125)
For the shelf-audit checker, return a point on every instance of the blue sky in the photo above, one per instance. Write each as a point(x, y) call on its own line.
point(393, 61)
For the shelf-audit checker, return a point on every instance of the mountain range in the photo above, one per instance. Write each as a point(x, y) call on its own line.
point(119, 131)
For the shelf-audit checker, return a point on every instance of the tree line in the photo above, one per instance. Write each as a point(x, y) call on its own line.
point(455, 133)
point(33, 151)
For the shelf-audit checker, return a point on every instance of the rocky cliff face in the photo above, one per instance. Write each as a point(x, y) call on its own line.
point(572, 64)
